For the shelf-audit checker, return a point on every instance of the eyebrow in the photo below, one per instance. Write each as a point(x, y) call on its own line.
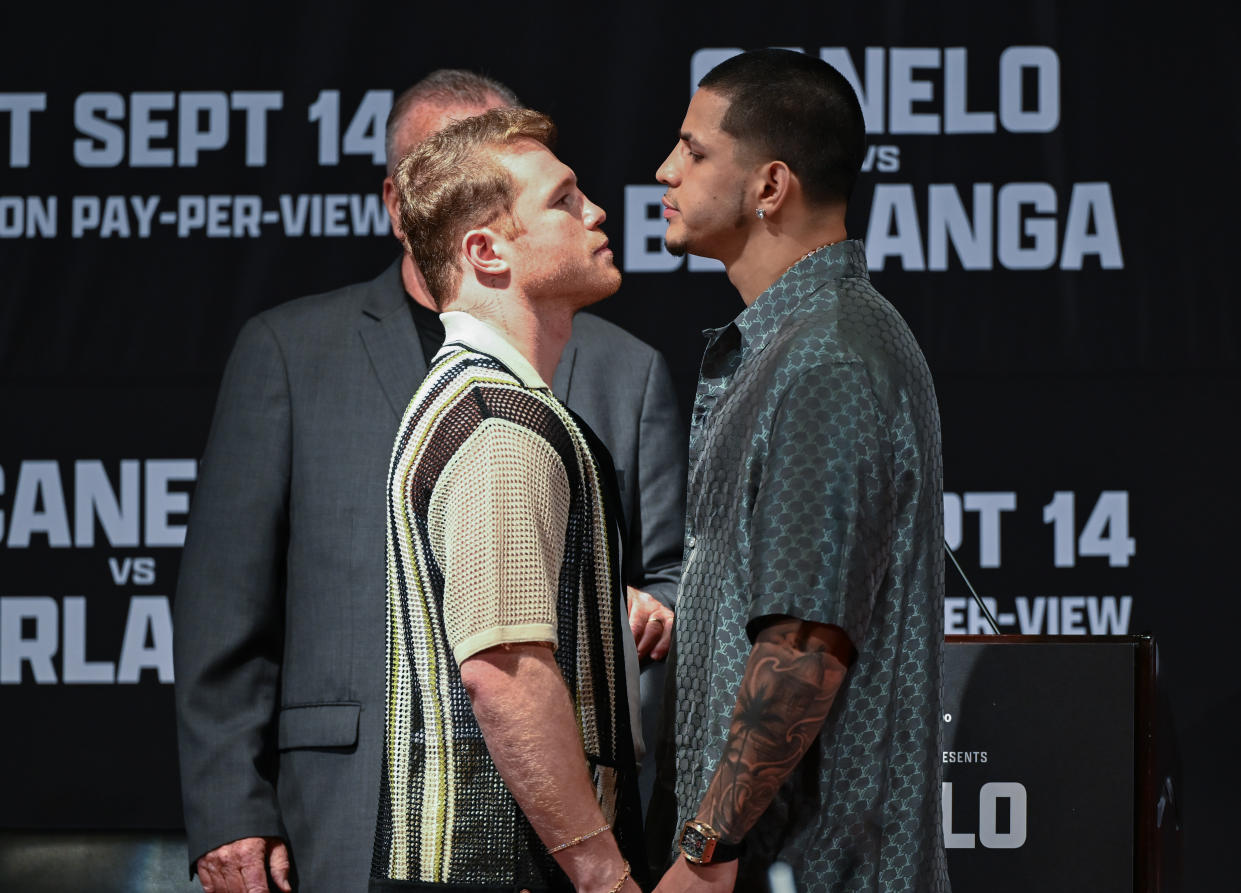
point(690, 139)
point(568, 181)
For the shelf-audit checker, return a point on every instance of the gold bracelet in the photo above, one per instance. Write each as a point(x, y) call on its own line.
point(575, 841)
point(624, 877)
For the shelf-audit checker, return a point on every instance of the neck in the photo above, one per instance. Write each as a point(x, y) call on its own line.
point(540, 334)
point(773, 248)
point(415, 285)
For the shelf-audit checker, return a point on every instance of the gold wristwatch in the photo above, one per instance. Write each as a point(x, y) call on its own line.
point(701, 844)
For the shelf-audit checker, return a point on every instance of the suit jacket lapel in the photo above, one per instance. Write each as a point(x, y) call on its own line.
point(391, 339)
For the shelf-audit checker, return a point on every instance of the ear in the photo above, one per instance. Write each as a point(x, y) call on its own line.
point(390, 202)
point(775, 184)
point(479, 248)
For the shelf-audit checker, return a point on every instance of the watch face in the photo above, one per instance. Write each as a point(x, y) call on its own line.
point(693, 843)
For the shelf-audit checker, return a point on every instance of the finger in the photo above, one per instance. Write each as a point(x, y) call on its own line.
point(637, 621)
point(661, 648)
point(218, 868)
point(651, 634)
point(228, 878)
point(252, 877)
point(207, 877)
point(232, 879)
point(279, 862)
point(639, 610)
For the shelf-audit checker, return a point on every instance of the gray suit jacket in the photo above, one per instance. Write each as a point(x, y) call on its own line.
point(280, 605)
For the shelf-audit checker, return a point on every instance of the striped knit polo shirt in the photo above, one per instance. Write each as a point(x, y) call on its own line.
point(499, 531)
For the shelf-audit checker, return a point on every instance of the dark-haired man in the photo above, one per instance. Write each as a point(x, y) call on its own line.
point(809, 625)
point(280, 599)
point(508, 758)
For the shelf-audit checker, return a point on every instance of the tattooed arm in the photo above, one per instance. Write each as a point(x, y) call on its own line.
point(791, 679)
point(793, 674)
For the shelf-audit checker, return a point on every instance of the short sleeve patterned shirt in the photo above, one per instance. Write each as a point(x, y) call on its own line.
point(815, 492)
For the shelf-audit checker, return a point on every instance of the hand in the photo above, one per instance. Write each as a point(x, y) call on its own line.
point(651, 624)
point(686, 877)
point(241, 866)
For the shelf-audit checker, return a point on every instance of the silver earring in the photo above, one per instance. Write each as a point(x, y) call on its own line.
point(760, 213)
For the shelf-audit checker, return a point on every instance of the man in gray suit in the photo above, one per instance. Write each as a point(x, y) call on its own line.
point(281, 597)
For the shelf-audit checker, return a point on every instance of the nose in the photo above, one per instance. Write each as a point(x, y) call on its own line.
point(593, 215)
point(667, 173)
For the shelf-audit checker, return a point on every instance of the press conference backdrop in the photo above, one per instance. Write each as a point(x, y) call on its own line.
point(1048, 197)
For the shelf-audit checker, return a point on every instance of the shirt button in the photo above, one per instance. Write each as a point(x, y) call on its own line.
point(691, 541)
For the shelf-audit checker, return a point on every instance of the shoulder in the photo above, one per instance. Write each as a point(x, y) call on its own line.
point(467, 378)
point(844, 321)
point(322, 325)
point(469, 397)
point(866, 315)
point(591, 332)
point(851, 340)
point(607, 361)
point(330, 308)
point(316, 306)
point(305, 327)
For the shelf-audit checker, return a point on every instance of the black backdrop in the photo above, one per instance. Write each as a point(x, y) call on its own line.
point(1050, 203)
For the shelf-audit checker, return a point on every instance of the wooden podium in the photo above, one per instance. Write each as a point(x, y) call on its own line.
point(1050, 777)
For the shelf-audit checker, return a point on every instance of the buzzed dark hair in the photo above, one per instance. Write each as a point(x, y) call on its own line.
point(444, 87)
point(797, 109)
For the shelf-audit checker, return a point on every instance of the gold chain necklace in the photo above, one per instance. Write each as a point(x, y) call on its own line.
point(808, 254)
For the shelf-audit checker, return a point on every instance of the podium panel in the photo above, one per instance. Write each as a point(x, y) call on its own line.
point(1049, 782)
point(1048, 763)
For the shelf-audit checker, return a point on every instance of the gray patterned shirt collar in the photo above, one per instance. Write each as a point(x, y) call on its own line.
point(729, 345)
point(762, 319)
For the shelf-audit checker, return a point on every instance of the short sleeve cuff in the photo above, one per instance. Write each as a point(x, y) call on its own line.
point(823, 608)
point(503, 635)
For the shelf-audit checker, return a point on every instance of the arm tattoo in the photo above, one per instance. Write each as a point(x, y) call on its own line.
point(790, 682)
